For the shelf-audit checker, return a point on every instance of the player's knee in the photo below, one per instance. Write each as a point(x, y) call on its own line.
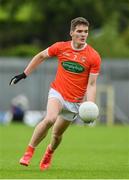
point(50, 120)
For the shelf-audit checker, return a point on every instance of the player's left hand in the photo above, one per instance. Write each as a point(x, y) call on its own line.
point(17, 78)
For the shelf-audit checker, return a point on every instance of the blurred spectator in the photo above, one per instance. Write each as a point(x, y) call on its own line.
point(19, 105)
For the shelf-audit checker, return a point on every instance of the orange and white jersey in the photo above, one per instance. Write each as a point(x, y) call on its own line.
point(74, 67)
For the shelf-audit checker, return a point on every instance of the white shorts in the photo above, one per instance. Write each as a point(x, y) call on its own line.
point(70, 110)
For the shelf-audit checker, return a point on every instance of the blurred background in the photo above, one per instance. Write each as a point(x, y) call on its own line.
point(29, 26)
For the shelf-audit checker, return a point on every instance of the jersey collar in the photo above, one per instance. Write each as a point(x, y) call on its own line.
point(78, 49)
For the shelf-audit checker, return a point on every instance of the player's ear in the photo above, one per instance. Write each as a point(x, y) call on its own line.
point(71, 33)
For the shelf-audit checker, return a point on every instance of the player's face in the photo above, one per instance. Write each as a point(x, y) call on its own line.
point(79, 35)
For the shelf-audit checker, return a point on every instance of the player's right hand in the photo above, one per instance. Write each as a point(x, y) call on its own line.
point(17, 78)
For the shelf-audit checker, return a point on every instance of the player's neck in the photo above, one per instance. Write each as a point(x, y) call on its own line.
point(77, 46)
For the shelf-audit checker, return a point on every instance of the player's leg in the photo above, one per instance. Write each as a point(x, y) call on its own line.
point(53, 109)
point(58, 129)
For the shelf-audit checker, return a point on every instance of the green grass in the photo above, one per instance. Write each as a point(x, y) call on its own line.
point(89, 153)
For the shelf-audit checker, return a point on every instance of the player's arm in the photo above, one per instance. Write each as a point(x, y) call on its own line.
point(38, 59)
point(34, 63)
point(91, 88)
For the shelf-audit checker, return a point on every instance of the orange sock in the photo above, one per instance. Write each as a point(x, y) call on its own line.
point(30, 149)
point(49, 149)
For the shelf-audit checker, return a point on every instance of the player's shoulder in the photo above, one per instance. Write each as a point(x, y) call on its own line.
point(93, 52)
point(62, 45)
point(57, 47)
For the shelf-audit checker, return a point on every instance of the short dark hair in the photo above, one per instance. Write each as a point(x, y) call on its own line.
point(78, 21)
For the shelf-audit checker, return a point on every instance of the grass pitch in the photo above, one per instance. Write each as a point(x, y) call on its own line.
point(90, 153)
